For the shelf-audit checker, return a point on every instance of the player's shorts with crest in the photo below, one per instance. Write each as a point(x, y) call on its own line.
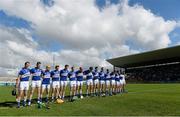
point(72, 83)
point(117, 83)
point(113, 82)
point(63, 83)
point(107, 82)
point(96, 82)
point(45, 86)
point(24, 85)
point(79, 83)
point(89, 82)
point(35, 84)
point(55, 84)
point(102, 82)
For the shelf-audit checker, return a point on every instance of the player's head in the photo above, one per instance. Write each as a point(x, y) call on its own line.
point(90, 68)
point(72, 68)
point(81, 69)
point(66, 66)
point(102, 68)
point(48, 67)
point(107, 70)
point(57, 67)
point(96, 68)
point(26, 64)
point(38, 64)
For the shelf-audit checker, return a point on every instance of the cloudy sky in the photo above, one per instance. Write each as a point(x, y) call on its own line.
point(83, 32)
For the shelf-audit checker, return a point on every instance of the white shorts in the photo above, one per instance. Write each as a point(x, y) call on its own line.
point(24, 85)
point(72, 83)
point(102, 82)
point(107, 82)
point(121, 82)
point(96, 82)
point(63, 83)
point(89, 82)
point(118, 83)
point(35, 84)
point(45, 86)
point(55, 84)
point(113, 82)
point(79, 83)
point(124, 82)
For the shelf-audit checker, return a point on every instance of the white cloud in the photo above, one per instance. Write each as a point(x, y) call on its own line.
point(88, 35)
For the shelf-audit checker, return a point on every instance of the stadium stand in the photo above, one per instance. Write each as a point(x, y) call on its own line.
point(161, 65)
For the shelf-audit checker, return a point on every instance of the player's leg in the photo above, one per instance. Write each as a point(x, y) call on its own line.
point(71, 91)
point(80, 89)
point(25, 92)
point(38, 85)
point(53, 91)
point(33, 86)
point(47, 92)
point(91, 87)
point(42, 91)
point(97, 88)
point(64, 89)
point(87, 88)
point(19, 98)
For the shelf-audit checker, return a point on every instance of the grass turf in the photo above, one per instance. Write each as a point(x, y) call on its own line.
point(141, 99)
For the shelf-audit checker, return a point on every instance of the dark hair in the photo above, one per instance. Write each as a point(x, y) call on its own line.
point(66, 65)
point(56, 66)
point(96, 67)
point(38, 63)
point(27, 62)
point(91, 68)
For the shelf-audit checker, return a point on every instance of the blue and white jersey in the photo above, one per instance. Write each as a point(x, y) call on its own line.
point(112, 76)
point(46, 77)
point(55, 75)
point(25, 74)
point(88, 74)
point(120, 77)
point(79, 75)
point(64, 74)
point(123, 76)
point(117, 77)
point(101, 75)
point(36, 74)
point(72, 76)
point(107, 76)
point(96, 75)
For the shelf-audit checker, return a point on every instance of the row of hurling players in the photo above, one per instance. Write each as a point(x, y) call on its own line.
point(98, 82)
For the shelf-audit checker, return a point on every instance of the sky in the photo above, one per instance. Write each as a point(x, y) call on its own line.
point(83, 32)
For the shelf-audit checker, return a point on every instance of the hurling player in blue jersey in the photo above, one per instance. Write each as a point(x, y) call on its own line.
point(107, 82)
point(95, 81)
point(72, 79)
point(79, 76)
point(46, 75)
point(89, 81)
point(63, 81)
point(117, 85)
point(123, 81)
point(102, 81)
point(55, 74)
point(112, 90)
point(23, 83)
point(36, 82)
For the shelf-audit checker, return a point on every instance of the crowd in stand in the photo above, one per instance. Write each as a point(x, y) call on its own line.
point(163, 73)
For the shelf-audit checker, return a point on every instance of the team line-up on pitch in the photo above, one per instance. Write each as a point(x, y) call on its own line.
point(98, 83)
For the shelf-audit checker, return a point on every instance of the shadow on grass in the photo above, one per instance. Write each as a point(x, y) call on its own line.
point(12, 104)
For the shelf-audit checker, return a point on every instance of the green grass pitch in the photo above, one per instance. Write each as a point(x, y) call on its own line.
point(141, 99)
